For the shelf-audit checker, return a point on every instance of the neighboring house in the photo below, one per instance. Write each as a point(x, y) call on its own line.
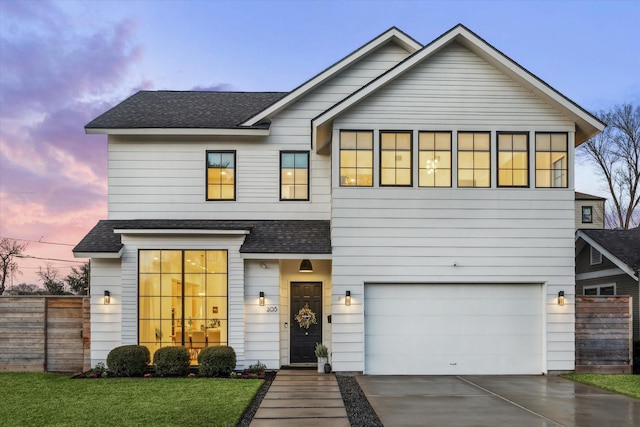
point(417, 201)
point(607, 263)
point(590, 211)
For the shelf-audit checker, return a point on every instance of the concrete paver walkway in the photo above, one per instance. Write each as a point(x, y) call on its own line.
point(302, 398)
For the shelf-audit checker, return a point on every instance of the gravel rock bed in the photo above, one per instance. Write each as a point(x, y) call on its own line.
point(359, 410)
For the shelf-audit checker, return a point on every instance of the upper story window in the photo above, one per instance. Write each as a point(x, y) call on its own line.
point(474, 159)
point(552, 160)
point(513, 159)
point(221, 175)
point(356, 158)
point(294, 175)
point(395, 159)
point(434, 159)
point(587, 214)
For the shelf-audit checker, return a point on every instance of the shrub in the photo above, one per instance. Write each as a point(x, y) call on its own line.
point(171, 361)
point(217, 361)
point(257, 368)
point(321, 350)
point(128, 360)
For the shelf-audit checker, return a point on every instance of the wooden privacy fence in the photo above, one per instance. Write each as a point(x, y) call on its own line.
point(604, 334)
point(44, 333)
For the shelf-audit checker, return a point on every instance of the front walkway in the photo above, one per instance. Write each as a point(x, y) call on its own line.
point(302, 398)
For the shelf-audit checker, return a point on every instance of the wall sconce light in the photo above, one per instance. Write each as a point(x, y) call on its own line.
point(261, 299)
point(305, 266)
point(347, 298)
point(107, 298)
point(561, 298)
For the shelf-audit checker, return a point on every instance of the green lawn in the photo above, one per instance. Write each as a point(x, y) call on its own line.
point(43, 399)
point(628, 385)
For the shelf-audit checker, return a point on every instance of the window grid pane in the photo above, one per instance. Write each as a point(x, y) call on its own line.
point(474, 159)
point(513, 160)
point(551, 160)
point(356, 159)
point(221, 182)
point(182, 300)
point(395, 159)
point(294, 175)
point(434, 159)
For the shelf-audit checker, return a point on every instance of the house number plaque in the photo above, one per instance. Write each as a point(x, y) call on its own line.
point(272, 309)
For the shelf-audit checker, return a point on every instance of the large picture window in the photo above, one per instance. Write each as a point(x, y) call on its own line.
point(221, 175)
point(474, 159)
point(182, 299)
point(395, 159)
point(434, 159)
point(356, 158)
point(513, 159)
point(294, 175)
point(552, 160)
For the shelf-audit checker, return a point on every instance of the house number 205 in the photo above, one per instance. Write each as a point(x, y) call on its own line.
point(272, 309)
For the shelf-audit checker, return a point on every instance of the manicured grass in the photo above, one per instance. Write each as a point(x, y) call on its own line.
point(628, 385)
point(43, 399)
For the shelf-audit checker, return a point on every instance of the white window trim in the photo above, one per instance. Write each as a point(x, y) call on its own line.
point(598, 287)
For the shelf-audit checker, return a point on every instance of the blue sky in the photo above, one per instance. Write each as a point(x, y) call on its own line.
point(64, 62)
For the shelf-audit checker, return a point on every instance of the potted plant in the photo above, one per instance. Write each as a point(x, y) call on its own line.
point(322, 353)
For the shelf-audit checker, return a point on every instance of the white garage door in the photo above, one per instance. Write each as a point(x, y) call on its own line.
point(453, 329)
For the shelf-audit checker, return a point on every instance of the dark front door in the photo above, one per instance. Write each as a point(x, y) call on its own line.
point(303, 341)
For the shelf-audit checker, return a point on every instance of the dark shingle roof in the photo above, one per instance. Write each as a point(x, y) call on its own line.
point(585, 196)
point(294, 237)
point(623, 244)
point(182, 110)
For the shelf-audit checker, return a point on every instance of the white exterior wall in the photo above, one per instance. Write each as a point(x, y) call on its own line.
point(165, 177)
point(106, 328)
point(415, 235)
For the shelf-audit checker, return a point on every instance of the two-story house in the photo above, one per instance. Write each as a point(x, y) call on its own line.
point(412, 207)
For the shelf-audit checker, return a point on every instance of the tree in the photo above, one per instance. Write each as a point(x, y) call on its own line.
point(52, 284)
point(616, 155)
point(26, 289)
point(78, 279)
point(9, 249)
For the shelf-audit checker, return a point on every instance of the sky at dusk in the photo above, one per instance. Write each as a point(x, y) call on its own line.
point(62, 63)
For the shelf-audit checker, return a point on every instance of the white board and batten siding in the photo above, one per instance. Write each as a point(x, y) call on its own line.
point(453, 235)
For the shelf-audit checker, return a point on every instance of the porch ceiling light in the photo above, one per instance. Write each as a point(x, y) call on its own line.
point(261, 298)
point(305, 266)
point(561, 298)
point(347, 298)
point(107, 298)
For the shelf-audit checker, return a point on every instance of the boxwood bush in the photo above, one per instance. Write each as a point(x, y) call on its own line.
point(218, 361)
point(129, 360)
point(171, 361)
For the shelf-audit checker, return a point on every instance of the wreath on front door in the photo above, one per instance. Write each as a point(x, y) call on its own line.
point(305, 317)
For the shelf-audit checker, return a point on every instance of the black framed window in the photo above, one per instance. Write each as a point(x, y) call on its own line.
point(587, 214)
point(552, 160)
point(294, 175)
point(434, 159)
point(513, 159)
point(395, 159)
point(474, 159)
point(221, 175)
point(356, 158)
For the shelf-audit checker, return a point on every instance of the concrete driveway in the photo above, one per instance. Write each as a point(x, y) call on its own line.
point(521, 401)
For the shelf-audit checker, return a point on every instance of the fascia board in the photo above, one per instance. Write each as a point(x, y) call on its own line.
point(392, 34)
point(178, 231)
point(624, 267)
point(258, 255)
point(110, 255)
point(180, 131)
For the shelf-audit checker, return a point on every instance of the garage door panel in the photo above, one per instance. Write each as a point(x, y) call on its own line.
point(453, 329)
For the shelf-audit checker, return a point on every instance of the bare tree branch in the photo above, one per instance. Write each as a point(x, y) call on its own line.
point(9, 249)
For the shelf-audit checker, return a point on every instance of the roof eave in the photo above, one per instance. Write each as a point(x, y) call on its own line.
point(587, 125)
point(111, 255)
point(617, 261)
point(181, 131)
point(393, 34)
